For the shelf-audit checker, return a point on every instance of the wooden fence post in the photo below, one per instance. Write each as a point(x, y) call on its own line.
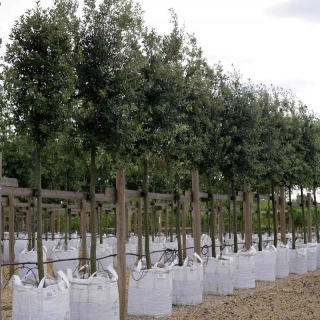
point(196, 212)
point(309, 218)
point(121, 243)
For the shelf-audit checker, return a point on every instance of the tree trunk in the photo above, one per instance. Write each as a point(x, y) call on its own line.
point(145, 213)
point(229, 215)
point(66, 229)
point(93, 218)
point(212, 219)
point(269, 219)
point(275, 217)
point(292, 219)
point(39, 214)
point(235, 235)
point(259, 219)
point(316, 211)
point(177, 196)
point(303, 217)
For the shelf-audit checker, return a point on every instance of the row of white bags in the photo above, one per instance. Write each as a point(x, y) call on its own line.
point(152, 292)
point(21, 245)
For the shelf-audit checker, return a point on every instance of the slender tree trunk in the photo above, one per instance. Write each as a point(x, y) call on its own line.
point(259, 219)
point(191, 221)
point(100, 224)
point(235, 235)
point(66, 229)
point(93, 217)
point(247, 217)
point(171, 222)
point(229, 215)
point(212, 218)
point(152, 221)
point(316, 211)
point(303, 217)
point(39, 214)
point(145, 215)
point(177, 196)
point(69, 223)
point(275, 217)
point(269, 219)
point(292, 219)
point(33, 222)
point(242, 221)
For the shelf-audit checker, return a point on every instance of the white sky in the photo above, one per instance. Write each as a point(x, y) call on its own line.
point(269, 41)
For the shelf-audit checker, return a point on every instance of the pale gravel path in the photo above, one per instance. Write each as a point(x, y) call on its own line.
point(295, 297)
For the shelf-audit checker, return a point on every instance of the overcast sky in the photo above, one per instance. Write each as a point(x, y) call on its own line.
point(269, 41)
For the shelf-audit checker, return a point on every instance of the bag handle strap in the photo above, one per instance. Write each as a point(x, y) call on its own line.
point(185, 262)
point(17, 280)
point(64, 278)
point(113, 272)
point(41, 283)
point(198, 257)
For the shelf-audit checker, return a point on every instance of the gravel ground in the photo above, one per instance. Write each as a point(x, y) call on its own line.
point(295, 297)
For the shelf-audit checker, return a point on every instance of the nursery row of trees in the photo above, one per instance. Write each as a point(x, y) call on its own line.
point(106, 87)
point(104, 91)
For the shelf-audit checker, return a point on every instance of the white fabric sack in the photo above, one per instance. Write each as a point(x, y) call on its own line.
point(298, 261)
point(187, 283)
point(244, 274)
point(19, 245)
point(143, 244)
point(204, 242)
point(111, 241)
point(318, 255)
point(312, 256)
point(95, 297)
point(74, 243)
point(282, 262)
point(133, 240)
point(150, 292)
point(31, 256)
point(241, 243)
point(218, 276)
point(60, 254)
point(38, 303)
point(265, 264)
point(131, 255)
point(49, 244)
point(156, 252)
point(170, 256)
point(104, 250)
point(190, 246)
